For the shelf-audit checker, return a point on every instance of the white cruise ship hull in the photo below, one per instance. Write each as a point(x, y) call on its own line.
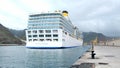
point(36, 45)
point(67, 43)
point(46, 44)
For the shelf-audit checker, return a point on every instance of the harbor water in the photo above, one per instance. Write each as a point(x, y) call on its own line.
point(22, 57)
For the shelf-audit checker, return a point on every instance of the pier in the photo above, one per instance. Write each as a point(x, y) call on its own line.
point(106, 57)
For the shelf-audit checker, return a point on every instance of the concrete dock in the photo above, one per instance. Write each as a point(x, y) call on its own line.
point(106, 57)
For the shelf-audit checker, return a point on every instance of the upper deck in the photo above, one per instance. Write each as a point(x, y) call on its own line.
point(52, 21)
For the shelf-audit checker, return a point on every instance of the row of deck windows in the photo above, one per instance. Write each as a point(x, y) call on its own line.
point(44, 27)
point(43, 39)
point(51, 14)
point(42, 31)
point(44, 18)
point(48, 35)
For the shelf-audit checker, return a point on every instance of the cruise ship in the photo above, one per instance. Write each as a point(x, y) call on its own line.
point(52, 30)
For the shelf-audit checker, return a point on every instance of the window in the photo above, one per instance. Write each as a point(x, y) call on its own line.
point(41, 31)
point(34, 31)
point(29, 32)
point(34, 39)
point(41, 39)
point(61, 27)
point(34, 35)
point(48, 35)
point(41, 35)
point(48, 39)
point(48, 31)
point(55, 35)
point(29, 36)
point(55, 39)
point(55, 31)
point(66, 33)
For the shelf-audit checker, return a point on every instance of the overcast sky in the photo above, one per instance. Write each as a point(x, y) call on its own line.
point(101, 16)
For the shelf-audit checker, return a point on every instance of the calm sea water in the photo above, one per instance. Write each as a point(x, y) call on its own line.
point(21, 57)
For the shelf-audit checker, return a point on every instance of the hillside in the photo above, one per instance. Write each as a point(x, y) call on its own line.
point(18, 33)
point(89, 36)
point(6, 37)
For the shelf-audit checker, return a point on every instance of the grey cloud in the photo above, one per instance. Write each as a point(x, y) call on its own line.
point(100, 16)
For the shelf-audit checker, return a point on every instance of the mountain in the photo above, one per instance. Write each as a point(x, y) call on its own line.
point(89, 36)
point(18, 33)
point(6, 37)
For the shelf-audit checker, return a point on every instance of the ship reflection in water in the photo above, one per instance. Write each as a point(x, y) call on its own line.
point(21, 57)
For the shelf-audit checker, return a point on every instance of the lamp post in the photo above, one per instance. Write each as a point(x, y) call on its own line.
point(92, 50)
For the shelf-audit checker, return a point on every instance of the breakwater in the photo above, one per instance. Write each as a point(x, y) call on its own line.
point(106, 57)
